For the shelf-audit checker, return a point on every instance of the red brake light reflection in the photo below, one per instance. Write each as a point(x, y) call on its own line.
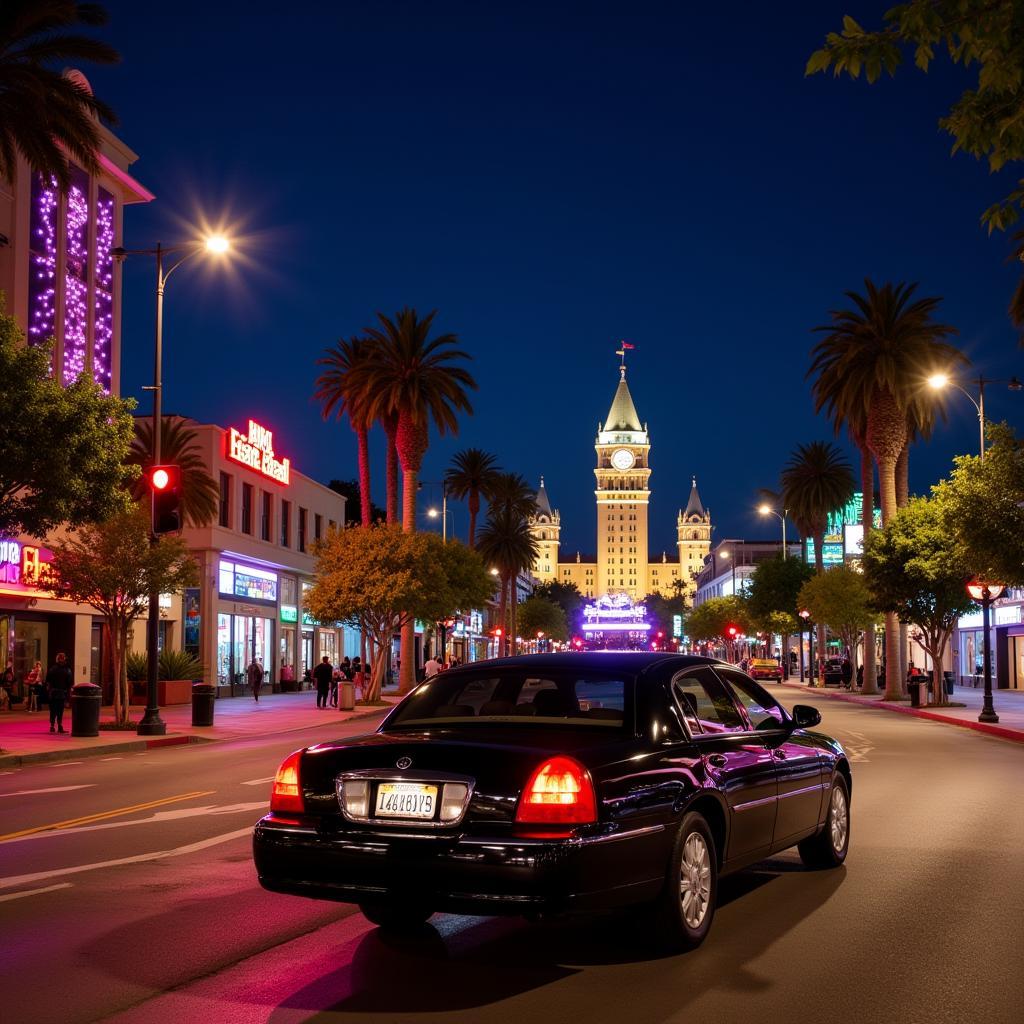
point(559, 792)
point(286, 794)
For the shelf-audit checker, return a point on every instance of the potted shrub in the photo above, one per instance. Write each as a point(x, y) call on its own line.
point(176, 670)
point(137, 667)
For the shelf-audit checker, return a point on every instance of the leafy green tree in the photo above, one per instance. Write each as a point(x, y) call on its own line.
point(352, 493)
point(506, 544)
point(661, 609)
point(709, 622)
point(472, 475)
point(44, 115)
point(567, 596)
point(382, 578)
point(539, 614)
point(62, 449)
point(841, 600)
point(915, 567)
point(773, 597)
point(984, 507)
point(113, 567)
point(412, 380)
point(179, 446)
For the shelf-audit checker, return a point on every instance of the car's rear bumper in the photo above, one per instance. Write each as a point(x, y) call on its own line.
point(462, 874)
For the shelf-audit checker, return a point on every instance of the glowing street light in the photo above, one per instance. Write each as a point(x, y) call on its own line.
point(217, 244)
point(765, 509)
point(940, 381)
point(985, 594)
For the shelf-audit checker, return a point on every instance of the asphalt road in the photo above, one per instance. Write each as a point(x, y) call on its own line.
point(146, 909)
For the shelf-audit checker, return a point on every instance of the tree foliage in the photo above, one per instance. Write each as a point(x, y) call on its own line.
point(349, 490)
point(775, 587)
point(62, 449)
point(711, 620)
point(840, 599)
point(113, 567)
point(984, 505)
point(661, 609)
point(566, 595)
point(541, 614)
point(986, 121)
point(382, 578)
point(915, 567)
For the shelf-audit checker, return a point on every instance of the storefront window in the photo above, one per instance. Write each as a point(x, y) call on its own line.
point(328, 641)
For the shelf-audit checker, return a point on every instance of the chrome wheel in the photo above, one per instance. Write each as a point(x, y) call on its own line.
point(695, 880)
point(839, 819)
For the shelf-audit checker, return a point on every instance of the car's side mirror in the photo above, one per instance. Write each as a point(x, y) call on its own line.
point(805, 717)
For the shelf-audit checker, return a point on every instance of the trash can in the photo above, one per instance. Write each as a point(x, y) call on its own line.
point(918, 695)
point(947, 684)
point(203, 696)
point(85, 709)
point(347, 696)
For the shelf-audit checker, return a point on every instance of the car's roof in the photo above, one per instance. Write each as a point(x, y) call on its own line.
point(633, 662)
point(763, 661)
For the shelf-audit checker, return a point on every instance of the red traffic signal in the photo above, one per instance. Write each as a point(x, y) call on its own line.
point(499, 631)
point(165, 494)
point(732, 631)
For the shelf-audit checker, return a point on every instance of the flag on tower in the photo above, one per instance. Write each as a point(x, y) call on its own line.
point(626, 344)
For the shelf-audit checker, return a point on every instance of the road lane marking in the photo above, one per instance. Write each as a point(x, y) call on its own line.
point(118, 758)
point(51, 789)
point(259, 782)
point(61, 764)
point(34, 892)
point(139, 858)
point(71, 822)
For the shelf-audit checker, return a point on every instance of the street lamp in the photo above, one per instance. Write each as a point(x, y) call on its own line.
point(433, 513)
point(767, 510)
point(732, 565)
point(939, 381)
point(985, 594)
point(152, 724)
point(805, 616)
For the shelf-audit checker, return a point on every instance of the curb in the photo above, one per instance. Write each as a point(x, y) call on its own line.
point(137, 746)
point(1002, 732)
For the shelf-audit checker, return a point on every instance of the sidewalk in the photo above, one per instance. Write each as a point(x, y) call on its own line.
point(1008, 704)
point(25, 737)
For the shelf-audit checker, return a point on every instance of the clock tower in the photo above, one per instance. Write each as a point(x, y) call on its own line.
point(622, 495)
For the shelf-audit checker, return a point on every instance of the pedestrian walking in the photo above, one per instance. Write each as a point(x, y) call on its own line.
point(336, 677)
point(847, 674)
point(254, 677)
point(34, 680)
point(860, 677)
point(431, 668)
point(323, 674)
point(58, 685)
point(6, 688)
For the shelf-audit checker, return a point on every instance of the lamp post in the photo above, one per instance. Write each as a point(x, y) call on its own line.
point(804, 616)
point(985, 594)
point(767, 510)
point(433, 512)
point(938, 381)
point(152, 724)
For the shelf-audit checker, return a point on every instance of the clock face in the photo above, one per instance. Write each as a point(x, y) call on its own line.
point(622, 459)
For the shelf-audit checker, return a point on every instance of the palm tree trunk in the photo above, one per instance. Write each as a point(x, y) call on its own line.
point(887, 489)
point(513, 600)
point(407, 674)
point(867, 519)
point(502, 609)
point(391, 472)
point(902, 497)
point(363, 441)
point(474, 511)
point(819, 568)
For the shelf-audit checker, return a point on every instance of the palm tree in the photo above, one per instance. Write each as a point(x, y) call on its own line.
point(506, 543)
point(871, 366)
point(44, 115)
point(415, 379)
point(339, 388)
point(179, 446)
point(472, 475)
point(817, 480)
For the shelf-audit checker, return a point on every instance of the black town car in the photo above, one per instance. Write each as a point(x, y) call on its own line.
point(556, 783)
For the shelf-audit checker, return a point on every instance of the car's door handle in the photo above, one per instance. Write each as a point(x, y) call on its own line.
point(779, 753)
point(716, 760)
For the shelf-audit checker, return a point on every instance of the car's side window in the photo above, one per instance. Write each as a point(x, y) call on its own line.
point(705, 703)
point(762, 709)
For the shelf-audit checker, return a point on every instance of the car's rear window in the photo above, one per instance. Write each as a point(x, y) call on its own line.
point(519, 698)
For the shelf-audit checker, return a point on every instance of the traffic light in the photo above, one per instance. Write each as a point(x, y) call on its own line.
point(732, 631)
point(165, 492)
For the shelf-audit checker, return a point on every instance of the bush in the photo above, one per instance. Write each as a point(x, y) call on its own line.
point(137, 667)
point(179, 665)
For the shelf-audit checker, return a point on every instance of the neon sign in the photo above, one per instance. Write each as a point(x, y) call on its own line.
point(256, 450)
point(22, 565)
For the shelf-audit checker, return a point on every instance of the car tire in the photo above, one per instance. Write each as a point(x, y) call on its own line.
point(683, 915)
point(828, 848)
point(395, 919)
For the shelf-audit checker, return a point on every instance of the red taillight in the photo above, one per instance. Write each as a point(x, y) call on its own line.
point(559, 792)
point(287, 792)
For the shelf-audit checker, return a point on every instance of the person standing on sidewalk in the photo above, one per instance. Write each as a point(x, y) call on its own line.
point(323, 674)
point(847, 674)
point(254, 675)
point(34, 681)
point(58, 684)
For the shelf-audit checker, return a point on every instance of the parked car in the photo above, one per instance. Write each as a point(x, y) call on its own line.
point(833, 672)
point(559, 783)
point(765, 668)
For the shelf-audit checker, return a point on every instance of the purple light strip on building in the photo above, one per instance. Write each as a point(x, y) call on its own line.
point(76, 277)
point(103, 300)
point(42, 285)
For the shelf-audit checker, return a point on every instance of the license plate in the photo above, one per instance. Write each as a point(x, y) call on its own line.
point(405, 800)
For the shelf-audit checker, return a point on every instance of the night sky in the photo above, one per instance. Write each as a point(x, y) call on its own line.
point(551, 177)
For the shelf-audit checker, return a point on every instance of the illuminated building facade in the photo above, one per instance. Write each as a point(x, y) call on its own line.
point(59, 280)
point(623, 564)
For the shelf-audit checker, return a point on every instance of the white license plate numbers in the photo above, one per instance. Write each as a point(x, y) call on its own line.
point(405, 800)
